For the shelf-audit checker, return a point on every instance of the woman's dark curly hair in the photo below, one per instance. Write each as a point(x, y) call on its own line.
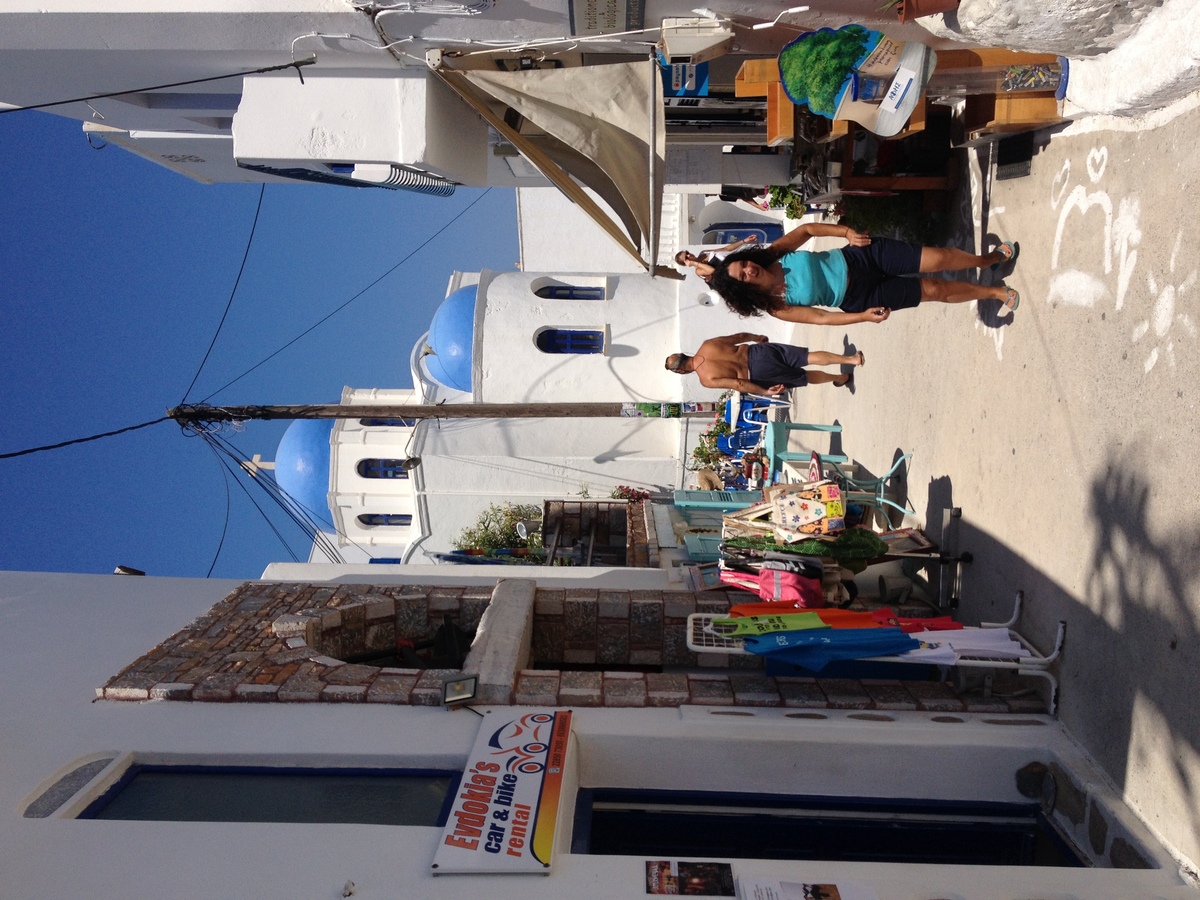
point(744, 299)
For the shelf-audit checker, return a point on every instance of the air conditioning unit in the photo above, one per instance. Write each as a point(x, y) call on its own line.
point(695, 40)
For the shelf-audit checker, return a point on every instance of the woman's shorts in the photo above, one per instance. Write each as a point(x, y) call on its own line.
point(876, 275)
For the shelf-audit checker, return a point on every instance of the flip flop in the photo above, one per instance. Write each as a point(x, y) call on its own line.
point(862, 359)
point(1009, 251)
point(1011, 300)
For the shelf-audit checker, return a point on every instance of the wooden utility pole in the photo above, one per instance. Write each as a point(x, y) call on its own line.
point(194, 415)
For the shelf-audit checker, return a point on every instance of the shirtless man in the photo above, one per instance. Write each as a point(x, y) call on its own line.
point(751, 364)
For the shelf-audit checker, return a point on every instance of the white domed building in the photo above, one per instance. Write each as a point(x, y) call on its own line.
point(400, 489)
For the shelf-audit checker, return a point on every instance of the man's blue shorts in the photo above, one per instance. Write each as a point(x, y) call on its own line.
point(772, 364)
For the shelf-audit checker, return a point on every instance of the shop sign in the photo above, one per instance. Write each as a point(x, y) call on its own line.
point(684, 79)
point(507, 808)
point(606, 16)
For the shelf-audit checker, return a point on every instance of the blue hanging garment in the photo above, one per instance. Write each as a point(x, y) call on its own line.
point(816, 649)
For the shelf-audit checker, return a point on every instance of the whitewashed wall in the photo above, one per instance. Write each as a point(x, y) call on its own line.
point(638, 320)
point(468, 464)
point(51, 725)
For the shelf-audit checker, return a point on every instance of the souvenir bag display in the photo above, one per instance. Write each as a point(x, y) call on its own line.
point(808, 509)
point(794, 582)
point(784, 585)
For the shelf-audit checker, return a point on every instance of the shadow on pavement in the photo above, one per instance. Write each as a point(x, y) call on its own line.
point(1132, 651)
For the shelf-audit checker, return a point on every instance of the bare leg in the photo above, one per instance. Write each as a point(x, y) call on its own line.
point(823, 358)
point(949, 259)
point(934, 289)
point(816, 377)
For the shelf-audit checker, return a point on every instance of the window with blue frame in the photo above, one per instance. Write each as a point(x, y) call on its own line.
point(384, 519)
point(569, 340)
point(215, 793)
point(382, 468)
point(398, 423)
point(569, 292)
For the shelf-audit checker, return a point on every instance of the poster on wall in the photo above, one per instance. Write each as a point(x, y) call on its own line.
point(592, 17)
point(507, 808)
point(697, 879)
point(857, 74)
point(667, 410)
point(754, 889)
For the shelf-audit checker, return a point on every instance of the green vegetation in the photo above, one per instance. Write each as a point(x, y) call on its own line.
point(902, 216)
point(852, 548)
point(496, 529)
point(816, 65)
point(787, 198)
point(706, 453)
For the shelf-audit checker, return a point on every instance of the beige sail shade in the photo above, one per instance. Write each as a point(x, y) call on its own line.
point(598, 123)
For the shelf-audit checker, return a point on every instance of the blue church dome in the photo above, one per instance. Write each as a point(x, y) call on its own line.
point(452, 337)
point(302, 466)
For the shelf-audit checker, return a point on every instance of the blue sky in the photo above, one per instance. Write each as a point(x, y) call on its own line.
point(114, 278)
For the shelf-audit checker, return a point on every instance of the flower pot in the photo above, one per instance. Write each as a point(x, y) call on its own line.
point(907, 10)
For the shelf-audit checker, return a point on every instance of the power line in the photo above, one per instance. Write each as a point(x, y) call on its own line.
point(305, 518)
point(322, 321)
point(94, 437)
point(301, 517)
point(236, 282)
point(225, 527)
point(160, 87)
point(250, 496)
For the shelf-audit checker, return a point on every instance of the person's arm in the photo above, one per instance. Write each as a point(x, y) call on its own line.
point(729, 248)
point(799, 236)
point(746, 337)
point(814, 316)
point(742, 384)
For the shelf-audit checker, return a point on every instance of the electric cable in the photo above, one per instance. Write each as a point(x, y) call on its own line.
point(322, 321)
point(94, 437)
point(261, 512)
point(296, 64)
point(232, 293)
point(301, 516)
point(225, 527)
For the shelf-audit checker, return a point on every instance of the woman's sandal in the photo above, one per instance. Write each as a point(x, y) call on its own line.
point(1009, 251)
point(1011, 300)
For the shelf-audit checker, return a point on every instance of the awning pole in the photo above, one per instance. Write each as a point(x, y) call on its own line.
point(652, 237)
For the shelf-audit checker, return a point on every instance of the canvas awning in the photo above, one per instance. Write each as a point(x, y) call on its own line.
point(603, 129)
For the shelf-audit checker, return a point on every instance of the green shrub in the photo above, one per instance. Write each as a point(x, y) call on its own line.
point(496, 529)
point(902, 216)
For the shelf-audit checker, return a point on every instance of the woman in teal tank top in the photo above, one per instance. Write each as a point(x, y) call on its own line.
point(862, 282)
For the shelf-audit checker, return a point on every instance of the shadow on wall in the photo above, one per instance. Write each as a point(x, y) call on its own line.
point(1132, 638)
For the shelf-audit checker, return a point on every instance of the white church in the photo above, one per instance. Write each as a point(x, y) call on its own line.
point(512, 338)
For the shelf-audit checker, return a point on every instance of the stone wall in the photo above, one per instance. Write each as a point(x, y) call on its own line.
point(282, 643)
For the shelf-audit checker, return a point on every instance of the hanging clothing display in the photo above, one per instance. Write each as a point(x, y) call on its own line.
point(845, 618)
point(947, 647)
point(756, 625)
point(816, 649)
